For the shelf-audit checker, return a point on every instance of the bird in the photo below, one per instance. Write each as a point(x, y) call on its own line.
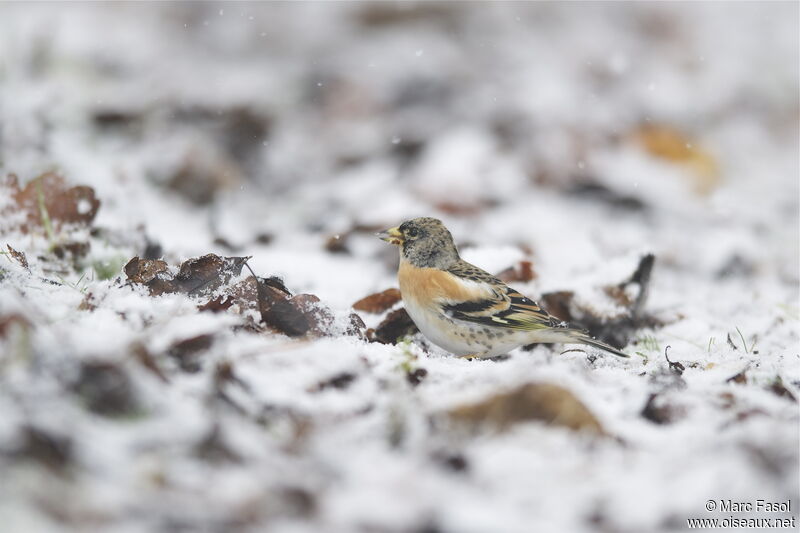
point(464, 309)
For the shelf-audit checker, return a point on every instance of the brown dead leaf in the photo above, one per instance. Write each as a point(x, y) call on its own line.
point(299, 315)
point(337, 244)
point(19, 257)
point(88, 303)
point(49, 449)
point(671, 145)
point(777, 387)
point(396, 325)
point(340, 381)
point(143, 271)
point(71, 249)
point(521, 272)
point(146, 359)
point(558, 304)
point(12, 320)
point(545, 402)
point(188, 352)
point(658, 411)
point(206, 273)
point(47, 199)
point(257, 294)
point(416, 376)
point(106, 389)
point(196, 277)
point(378, 302)
point(740, 378)
point(203, 174)
point(217, 305)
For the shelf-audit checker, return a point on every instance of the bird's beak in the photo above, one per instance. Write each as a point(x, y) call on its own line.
point(392, 236)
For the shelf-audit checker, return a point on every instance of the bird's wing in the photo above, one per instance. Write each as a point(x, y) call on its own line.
point(499, 305)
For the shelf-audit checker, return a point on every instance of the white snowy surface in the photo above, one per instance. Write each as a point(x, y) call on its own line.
point(488, 116)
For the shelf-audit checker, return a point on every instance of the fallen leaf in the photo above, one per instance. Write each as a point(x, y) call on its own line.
point(203, 174)
point(52, 450)
point(558, 304)
point(12, 320)
point(740, 378)
point(777, 387)
point(19, 257)
point(146, 359)
point(71, 249)
point(337, 244)
point(106, 389)
point(455, 462)
point(198, 276)
point(378, 302)
point(658, 411)
point(88, 303)
point(299, 315)
point(340, 381)
point(187, 352)
point(416, 376)
point(395, 326)
point(144, 270)
point(47, 202)
point(521, 272)
point(671, 145)
point(545, 402)
point(218, 304)
point(206, 273)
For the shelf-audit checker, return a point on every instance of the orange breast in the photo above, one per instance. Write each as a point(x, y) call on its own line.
point(422, 285)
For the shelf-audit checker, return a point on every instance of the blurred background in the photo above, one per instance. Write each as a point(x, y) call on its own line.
point(576, 136)
point(248, 120)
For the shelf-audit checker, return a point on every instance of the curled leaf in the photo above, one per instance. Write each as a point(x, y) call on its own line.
point(378, 302)
point(544, 402)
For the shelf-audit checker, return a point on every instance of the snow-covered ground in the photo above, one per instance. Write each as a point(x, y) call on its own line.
point(579, 137)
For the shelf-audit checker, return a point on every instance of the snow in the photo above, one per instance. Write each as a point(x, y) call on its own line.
point(321, 119)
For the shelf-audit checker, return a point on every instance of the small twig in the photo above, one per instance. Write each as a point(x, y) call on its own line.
point(674, 366)
point(743, 341)
point(260, 294)
point(730, 342)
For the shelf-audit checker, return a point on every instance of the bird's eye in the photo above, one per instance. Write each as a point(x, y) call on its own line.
point(412, 232)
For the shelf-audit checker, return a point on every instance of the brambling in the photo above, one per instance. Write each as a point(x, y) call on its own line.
point(464, 309)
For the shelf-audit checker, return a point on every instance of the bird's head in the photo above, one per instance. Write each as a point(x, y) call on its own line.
point(424, 242)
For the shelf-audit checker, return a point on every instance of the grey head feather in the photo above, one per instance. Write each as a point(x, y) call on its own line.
point(428, 243)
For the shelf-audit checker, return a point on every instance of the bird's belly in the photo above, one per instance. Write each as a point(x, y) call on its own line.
point(459, 337)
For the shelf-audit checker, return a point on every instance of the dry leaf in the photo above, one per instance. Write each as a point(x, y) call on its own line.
point(396, 325)
point(378, 302)
point(778, 388)
point(659, 412)
point(19, 257)
point(187, 352)
point(106, 389)
point(521, 272)
point(551, 404)
point(199, 276)
point(671, 145)
point(47, 200)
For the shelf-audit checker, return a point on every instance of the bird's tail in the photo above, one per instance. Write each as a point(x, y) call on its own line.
point(580, 336)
